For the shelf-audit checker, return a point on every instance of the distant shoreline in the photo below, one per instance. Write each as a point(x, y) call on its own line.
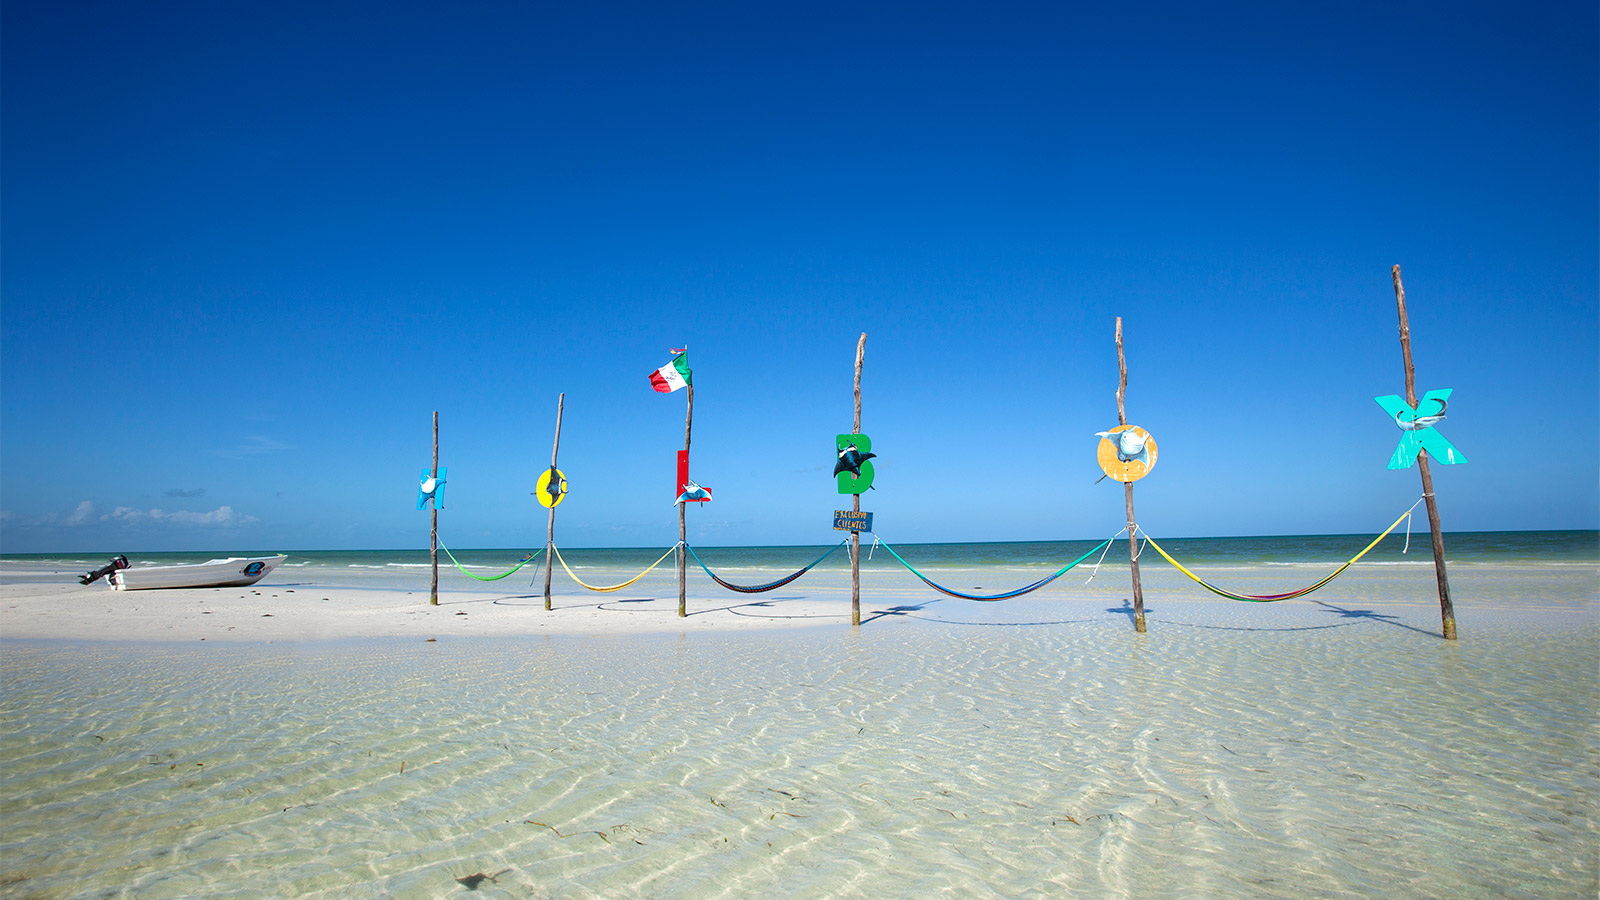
point(1588, 536)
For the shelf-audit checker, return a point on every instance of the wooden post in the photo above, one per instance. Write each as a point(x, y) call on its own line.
point(433, 504)
point(683, 533)
point(550, 532)
point(1447, 612)
point(855, 499)
point(1127, 490)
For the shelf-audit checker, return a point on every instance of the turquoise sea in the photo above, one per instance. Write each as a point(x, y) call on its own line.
point(1461, 548)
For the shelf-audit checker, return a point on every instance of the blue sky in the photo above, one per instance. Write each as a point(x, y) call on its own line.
point(247, 252)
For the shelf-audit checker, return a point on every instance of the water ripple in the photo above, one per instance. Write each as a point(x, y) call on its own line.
point(1254, 754)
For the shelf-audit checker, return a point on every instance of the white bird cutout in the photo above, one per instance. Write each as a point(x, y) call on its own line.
point(429, 485)
point(1421, 422)
point(1130, 445)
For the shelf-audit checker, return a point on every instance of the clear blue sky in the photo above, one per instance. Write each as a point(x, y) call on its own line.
point(248, 250)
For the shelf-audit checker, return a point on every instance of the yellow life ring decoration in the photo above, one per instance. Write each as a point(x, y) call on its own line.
point(1127, 453)
point(551, 488)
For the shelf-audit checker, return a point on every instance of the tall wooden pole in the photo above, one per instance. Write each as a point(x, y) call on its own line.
point(433, 503)
point(550, 532)
point(1447, 612)
point(855, 499)
point(683, 532)
point(1127, 490)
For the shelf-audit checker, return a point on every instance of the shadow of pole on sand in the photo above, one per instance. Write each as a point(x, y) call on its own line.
point(1375, 617)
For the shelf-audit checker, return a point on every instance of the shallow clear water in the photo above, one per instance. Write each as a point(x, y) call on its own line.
point(1295, 750)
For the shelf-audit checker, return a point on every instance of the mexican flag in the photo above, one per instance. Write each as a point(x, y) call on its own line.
point(673, 375)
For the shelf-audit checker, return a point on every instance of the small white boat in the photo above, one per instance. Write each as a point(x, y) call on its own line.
point(235, 571)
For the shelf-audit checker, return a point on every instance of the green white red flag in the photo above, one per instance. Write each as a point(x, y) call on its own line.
point(673, 375)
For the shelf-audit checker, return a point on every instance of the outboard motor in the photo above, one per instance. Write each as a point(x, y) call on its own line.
point(117, 562)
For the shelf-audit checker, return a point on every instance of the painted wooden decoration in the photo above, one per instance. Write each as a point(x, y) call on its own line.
point(1127, 453)
point(850, 520)
point(853, 468)
point(431, 488)
point(551, 488)
point(1417, 431)
point(688, 491)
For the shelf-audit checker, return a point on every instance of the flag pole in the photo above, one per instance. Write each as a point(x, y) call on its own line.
point(683, 534)
point(433, 505)
point(1447, 611)
point(1127, 490)
point(855, 500)
point(550, 533)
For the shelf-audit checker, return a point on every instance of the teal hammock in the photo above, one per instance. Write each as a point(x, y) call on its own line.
point(1005, 596)
point(528, 559)
point(760, 588)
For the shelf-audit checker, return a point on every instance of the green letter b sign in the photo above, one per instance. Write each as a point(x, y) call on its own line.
point(853, 468)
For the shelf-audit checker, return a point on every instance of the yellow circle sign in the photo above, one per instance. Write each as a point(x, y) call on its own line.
point(1127, 453)
point(552, 488)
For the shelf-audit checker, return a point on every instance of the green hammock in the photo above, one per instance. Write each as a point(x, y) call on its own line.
point(528, 559)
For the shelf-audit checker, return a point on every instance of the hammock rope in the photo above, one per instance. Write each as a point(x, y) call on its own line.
point(1008, 594)
point(1136, 554)
point(528, 559)
point(614, 587)
point(762, 588)
point(1273, 598)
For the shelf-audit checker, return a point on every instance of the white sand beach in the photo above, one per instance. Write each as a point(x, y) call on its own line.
point(39, 603)
point(340, 606)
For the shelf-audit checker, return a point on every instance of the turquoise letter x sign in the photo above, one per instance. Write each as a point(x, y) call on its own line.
point(1418, 431)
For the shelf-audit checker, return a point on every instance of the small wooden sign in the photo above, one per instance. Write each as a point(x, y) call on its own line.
point(845, 520)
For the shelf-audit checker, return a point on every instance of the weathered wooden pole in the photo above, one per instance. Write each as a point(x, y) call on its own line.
point(1447, 612)
point(550, 532)
point(433, 504)
point(683, 532)
point(1127, 489)
point(855, 499)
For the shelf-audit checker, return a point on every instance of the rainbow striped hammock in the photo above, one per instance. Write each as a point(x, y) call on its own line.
point(1273, 598)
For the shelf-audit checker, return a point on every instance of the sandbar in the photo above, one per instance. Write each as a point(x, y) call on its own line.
point(42, 605)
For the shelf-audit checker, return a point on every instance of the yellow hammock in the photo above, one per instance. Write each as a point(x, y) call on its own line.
point(1271, 598)
point(615, 587)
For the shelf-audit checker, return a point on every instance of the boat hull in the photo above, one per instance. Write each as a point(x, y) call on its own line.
point(231, 572)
